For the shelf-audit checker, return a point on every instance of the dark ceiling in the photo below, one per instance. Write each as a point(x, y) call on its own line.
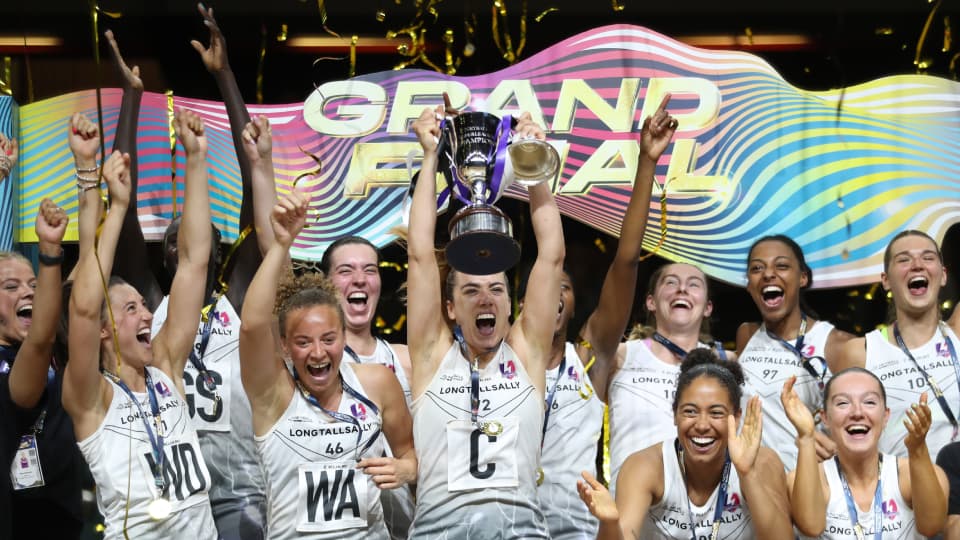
point(851, 41)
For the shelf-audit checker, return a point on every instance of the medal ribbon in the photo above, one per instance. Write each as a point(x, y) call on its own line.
point(156, 437)
point(341, 417)
point(550, 396)
point(797, 350)
point(930, 382)
point(490, 428)
point(671, 346)
point(721, 494)
point(876, 509)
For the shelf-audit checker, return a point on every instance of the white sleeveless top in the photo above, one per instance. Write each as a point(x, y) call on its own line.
point(767, 364)
point(119, 452)
point(226, 432)
point(904, 384)
point(641, 404)
point(384, 355)
point(669, 519)
point(474, 485)
point(314, 489)
point(570, 446)
point(898, 522)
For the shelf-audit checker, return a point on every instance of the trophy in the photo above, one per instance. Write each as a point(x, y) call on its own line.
point(473, 152)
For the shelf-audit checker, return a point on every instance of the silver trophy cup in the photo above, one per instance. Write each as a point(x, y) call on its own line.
point(474, 150)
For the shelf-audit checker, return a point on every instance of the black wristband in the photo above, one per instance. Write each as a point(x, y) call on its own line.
point(47, 260)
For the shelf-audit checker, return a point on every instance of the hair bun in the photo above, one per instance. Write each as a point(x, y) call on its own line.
point(704, 356)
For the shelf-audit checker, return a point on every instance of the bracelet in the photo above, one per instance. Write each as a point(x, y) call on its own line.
point(81, 178)
point(87, 187)
point(47, 260)
point(91, 169)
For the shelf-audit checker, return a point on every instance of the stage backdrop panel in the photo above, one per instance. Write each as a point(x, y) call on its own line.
point(839, 171)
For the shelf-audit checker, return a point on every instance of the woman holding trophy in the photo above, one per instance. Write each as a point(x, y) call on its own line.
point(478, 390)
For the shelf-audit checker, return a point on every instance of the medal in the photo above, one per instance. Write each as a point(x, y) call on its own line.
point(159, 509)
point(492, 428)
point(539, 476)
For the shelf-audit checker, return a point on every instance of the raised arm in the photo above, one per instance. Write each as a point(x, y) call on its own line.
point(256, 198)
point(928, 483)
point(84, 390)
point(808, 493)
point(539, 317)
point(134, 267)
point(28, 376)
point(174, 341)
point(605, 327)
point(761, 476)
point(427, 333)
point(258, 147)
point(264, 375)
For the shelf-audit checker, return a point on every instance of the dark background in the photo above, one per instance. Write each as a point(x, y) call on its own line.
point(846, 43)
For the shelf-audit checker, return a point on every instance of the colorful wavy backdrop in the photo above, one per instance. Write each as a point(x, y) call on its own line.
point(839, 171)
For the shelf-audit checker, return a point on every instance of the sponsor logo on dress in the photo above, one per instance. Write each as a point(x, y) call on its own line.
point(163, 389)
point(890, 509)
point(358, 411)
point(508, 369)
point(572, 373)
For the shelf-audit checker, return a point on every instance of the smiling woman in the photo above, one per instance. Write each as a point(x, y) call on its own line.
point(709, 482)
point(917, 353)
point(318, 429)
point(904, 497)
point(789, 342)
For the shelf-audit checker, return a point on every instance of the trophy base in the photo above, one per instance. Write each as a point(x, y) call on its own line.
point(481, 241)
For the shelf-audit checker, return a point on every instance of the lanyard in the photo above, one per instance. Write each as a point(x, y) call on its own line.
point(671, 346)
point(491, 428)
point(156, 437)
point(393, 357)
point(551, 395)
point(852, 505)
point(680, 353)
point(930, 382)
point(721, 493)
point(797, 349)
point(341, 417)
point(196, 355)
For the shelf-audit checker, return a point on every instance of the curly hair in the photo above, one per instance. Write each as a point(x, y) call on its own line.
point(306, 290)
point(705, 363)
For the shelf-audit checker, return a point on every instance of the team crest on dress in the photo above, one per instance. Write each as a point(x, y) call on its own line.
point(358, 411)
point(943, 350)
point(508, 369)
point(809, 351)
point(572, 373)
point(163, 389)
point(222, 317)
point(733, 503)
point(890, 509)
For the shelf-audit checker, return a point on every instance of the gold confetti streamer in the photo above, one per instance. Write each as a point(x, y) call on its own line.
point(947, 35)
point(353, 55)
point(282, 36)
point(663, 223)
point(546, 12)
point(172, 134)
point(6, 79)
point(924, 64)
point(617, 6)
point(261, 60)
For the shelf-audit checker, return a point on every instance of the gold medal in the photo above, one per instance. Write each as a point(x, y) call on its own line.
point(539, 476)
point(492, 428)
point(159, 509)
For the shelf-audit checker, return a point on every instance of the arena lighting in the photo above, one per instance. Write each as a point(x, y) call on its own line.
point(750, 42)
point(365, 44)
point(11, 43)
